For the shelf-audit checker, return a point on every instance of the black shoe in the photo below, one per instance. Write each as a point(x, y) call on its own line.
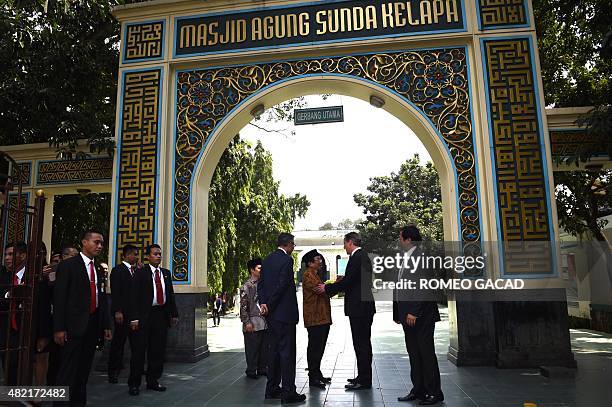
point(431, 400)
point(294, 398)
point(410, 397)
point(355, 380)
point(274, 395)
point(357, 386)
point(156, 387)
point(113, 379)
point(316, 383)
point(262, 373)
point(134, 391)
point(325, 379)
point(252, 376)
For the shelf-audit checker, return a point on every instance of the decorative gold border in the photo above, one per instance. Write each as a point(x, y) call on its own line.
point(435, 81)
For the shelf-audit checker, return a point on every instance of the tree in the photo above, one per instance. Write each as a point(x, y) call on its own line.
point(246, 213)
point(584, 198)
point(58, 72)
point(326, 226)
point(346, 224)
point(571, 36)
point(575, 44)
point(73, 213)
point(410, 196)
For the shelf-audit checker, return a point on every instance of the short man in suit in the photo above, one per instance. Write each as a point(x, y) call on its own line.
point(254, 326)
point(80, 313)
point(152, 311)
point(15, 255)
point(121, 289)
point(358, 306)
point(276, 290)
point(418, 318)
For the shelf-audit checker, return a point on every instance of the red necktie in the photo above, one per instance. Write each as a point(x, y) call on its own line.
point(92, 288)
point(13, 314)
point(158, 288)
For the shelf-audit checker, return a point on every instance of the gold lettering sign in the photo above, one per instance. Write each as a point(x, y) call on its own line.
point(340, 21)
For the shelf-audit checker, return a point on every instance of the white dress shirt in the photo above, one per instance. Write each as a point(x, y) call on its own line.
point(163, 284)
point(87, 260)
point(19, 275)
point(354, 251)
point(128, 265)
point(401, 271)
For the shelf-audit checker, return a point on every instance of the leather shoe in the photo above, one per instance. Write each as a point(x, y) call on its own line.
point(273, 396)
point(156, 387)
point(431, 400)
point(316, 383)
point(134, 391)
point(325, 379)
point(294, 398)
point(262, 373)
point(357, 386)
point(354, 380)
point(252, 376)
point(410, 397)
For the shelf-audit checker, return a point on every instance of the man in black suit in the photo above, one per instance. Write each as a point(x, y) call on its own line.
point(80, 313)
point(152, 311)
point(66, 253)
point(15, 255)
point(418, 318)
point(276, 290)
point(121, 288)
point(358, 306)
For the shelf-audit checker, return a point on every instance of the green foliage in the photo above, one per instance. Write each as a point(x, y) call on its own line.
point(58, 72)
point(326, 226)
point(571, 37)
point(72, 214)
point(584, 198)
point(246, 213)
point(410, 196)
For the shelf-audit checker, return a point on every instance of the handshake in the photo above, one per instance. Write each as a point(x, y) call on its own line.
point(320, 288)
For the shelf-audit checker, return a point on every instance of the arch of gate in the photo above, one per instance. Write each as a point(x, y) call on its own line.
point(456, 225)
point(463, 74)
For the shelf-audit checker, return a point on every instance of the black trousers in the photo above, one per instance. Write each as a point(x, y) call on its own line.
point(149, 341)
point(76, 358)
point(256, 352)
point(361, 331)
point(10, 360)
point(424, 371)
point(282, 358)
point(54, 362)
point(216, 317)
point(317, 339)
point(115, 357)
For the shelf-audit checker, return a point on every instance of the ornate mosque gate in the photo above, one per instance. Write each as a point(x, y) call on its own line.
point(463, 74)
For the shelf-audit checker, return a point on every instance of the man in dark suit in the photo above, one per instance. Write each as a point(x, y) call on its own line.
point(67, 252)
point(152, 311)
point(276, 290)
point(121, 289)
point(80, 313)
point(418, 317)
point(11, 277)
point(358, 306)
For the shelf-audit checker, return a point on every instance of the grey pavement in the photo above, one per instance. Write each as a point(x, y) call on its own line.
point(219, 380)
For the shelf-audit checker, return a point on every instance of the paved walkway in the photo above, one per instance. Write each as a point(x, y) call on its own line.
point(219, 379)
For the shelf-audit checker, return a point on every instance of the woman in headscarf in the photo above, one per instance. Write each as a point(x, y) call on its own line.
point(317, 318)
